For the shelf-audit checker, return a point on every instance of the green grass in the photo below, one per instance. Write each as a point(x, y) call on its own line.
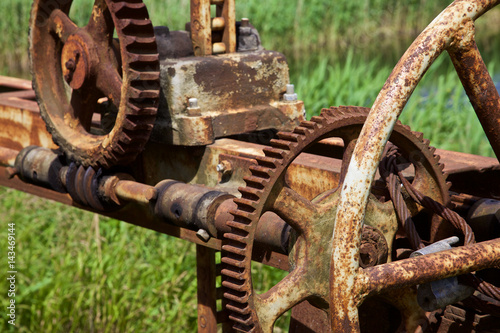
point(322, 28)
point(79, 272)
point(439, 107)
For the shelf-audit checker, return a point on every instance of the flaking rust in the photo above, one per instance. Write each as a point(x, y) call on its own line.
point(199, 134)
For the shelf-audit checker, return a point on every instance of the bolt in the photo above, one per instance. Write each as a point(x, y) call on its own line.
point(203, 235)
point(290, 95)
point(220, 167)
point(70, 64)
point(193, 102)
point(245, 29)
point(203, 322)
point(367, 255)
point(193, 107)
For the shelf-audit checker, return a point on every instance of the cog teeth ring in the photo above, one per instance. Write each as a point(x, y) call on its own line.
point(238, 243)
point(140, 83)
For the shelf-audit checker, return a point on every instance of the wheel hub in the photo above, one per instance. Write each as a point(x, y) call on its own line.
point(76, 61)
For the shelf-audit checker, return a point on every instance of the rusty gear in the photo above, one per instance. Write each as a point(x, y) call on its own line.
point(80, 72)
point(266, 191)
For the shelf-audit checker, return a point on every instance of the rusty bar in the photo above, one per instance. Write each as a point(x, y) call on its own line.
point(207, 297)
point(229, 34)
point(133, 191)
point(371, 142)
point(478, 85)
point(431, 267)
point(7, 156)
point(11, 83)
point(201, 27)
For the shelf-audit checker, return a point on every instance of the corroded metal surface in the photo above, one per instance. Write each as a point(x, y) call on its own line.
point(254, 104)
point(100, 77)
point(478, 83)
point(438, 36)
point(267, 192)
point(429, 268)
point(213, 35)
point(201, 32)
point(20, 119)
point(295, 189)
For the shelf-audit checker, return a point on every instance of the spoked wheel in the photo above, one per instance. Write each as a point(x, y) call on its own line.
point(452, 30)
point(268, 192)
point(97, 94)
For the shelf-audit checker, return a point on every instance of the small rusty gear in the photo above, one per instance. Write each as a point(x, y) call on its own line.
point(80, 73)
point(266, 191)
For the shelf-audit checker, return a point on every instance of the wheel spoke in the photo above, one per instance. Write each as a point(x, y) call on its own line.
point(288, 292)
point(84, 105)
point(109, 82)
point(100, 25)
point(479, 87)
point(62, 25)
point(296, 210)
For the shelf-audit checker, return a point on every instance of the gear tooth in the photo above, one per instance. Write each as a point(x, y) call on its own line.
point(241, 219)
point(147, 61)
point(236, 250)
point(267, 162)
point(347, 110)
point(150, 77)
point(437, 158)
point(448, 184)
point(255, 182)
point(419, 135)
point(318, 120)
point(235, 307)
point(280, 144)
point(336, 112)
point(302, 130)
point(136, 93)
point(245, 204)
point(274, 152)
point(260, 171)
point(308, 124)
point(293, 137)
point(441, 166)
point(325, 112)
point(231, 261)
point(236, 298)
point(426, 142)
point(244, 321)
point(250, 193)
point(119, 149)
point(236, 238)
point(432, 150)
point(125, 9)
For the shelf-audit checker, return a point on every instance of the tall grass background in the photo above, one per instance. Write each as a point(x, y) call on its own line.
point(80, 272)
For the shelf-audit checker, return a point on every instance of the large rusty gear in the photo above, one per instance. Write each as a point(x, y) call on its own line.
point(266, 191)
point(81, 72)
